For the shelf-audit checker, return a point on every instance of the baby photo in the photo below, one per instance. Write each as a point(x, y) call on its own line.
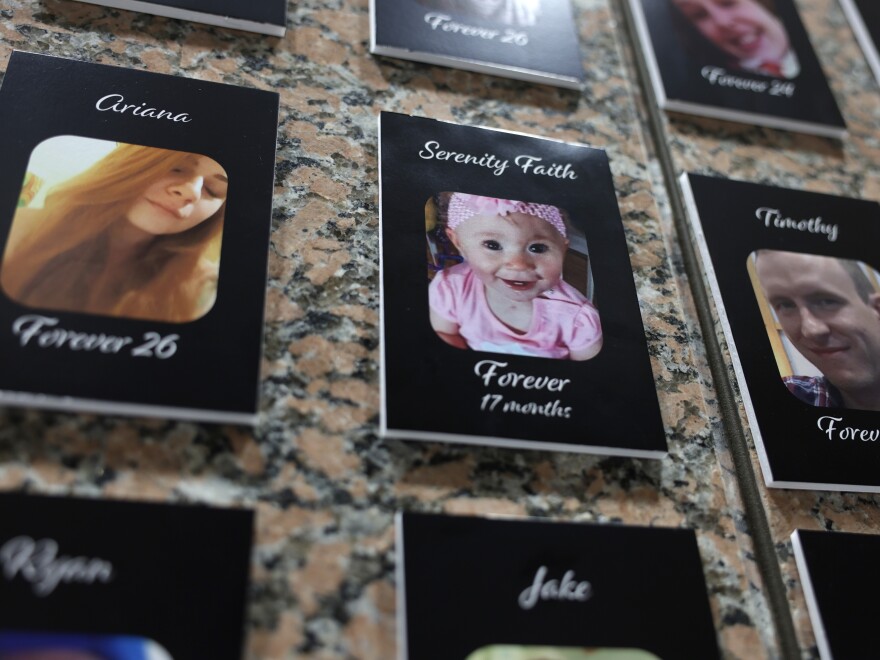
point(745, 35)
point(116, 229)
point(509, 276)
point(822, 315)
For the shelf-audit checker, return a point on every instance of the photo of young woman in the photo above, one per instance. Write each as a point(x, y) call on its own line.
point(741, 34)
point(135, 234)
point(499, 284)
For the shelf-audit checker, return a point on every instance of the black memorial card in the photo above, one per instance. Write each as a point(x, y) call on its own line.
point(509, 312)
point(794, 277)
point(532, 40)
point(266, 16)
point(864, 17)
point(82, 575)
point(134, 230)
point(748, 61)
point(839, 575)
point(483, 589)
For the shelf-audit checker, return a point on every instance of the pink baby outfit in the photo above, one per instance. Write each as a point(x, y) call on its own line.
point(563, 320)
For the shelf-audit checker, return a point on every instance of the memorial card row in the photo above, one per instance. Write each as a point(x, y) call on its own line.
point(134, 232)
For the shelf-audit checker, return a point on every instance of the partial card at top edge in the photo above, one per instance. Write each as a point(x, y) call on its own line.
point(773, 80)
point(532, 40)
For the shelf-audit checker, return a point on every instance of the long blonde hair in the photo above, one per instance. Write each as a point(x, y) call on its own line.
point(60, 263)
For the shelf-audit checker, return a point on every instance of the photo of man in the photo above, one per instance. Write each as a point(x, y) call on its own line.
point(829, 310)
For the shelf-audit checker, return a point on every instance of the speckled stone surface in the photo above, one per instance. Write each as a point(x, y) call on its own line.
point(324, 485)
point(847, 167)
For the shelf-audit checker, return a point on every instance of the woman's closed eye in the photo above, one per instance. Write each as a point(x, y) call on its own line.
point(212, 190)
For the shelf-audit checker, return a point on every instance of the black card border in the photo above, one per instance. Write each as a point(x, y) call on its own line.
point(68, 610)
point(649, 432)
point(242, 320)
point(402, 637)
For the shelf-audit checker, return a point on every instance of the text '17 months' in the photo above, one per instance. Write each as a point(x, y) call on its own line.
point(495, 374)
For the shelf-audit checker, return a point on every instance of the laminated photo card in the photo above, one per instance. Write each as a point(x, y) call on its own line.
point(748, 61)
point(266, 16)
point(533, 40)
point(864, 17)
point(838, 572)
point(795, 281)
point(134, 228)
point(507, 589)
point(509, 312)
point(88, 579)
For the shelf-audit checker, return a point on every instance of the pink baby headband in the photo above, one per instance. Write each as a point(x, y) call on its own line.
point(463, 206)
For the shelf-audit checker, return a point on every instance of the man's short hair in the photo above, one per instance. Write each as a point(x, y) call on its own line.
point(863, 285)
point(851, 267)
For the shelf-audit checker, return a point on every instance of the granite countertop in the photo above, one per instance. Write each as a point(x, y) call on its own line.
point(324, 485)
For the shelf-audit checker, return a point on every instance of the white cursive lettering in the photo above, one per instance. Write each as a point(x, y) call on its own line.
point(487, 370)
point(565, 589)
point(718, 76)
point(42, 331)
point(491, 161)
point(445, 24)
point(38, 563)
point(774, 218)
point(828, 425)
point(116, 103)
point(555, 170)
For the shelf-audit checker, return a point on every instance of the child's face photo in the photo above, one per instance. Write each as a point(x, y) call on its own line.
point(516, 257)
point(744, 29)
